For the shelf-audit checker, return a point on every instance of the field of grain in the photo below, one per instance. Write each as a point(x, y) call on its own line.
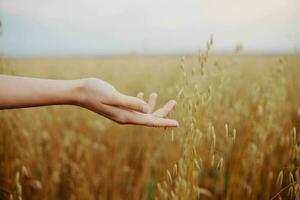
point(238, 136)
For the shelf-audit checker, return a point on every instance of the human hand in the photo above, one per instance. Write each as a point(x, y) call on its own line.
point(102, 98)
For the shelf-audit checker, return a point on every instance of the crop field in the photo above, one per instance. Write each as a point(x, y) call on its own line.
point(238, 137)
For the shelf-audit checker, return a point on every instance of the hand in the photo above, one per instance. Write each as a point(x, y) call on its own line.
point(102, 98)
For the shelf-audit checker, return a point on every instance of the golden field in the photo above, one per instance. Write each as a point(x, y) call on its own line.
point(238, 136)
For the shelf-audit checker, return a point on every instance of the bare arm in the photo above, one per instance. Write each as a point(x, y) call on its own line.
point(18, 92)
point(91, 93)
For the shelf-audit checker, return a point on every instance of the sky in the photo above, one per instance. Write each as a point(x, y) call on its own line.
point(114, 27)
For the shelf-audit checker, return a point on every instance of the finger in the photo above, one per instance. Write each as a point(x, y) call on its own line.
point(149, 120)
point(152, 121)
point(166, 109)
point(114, 113)
point(122, 116)
point(107, 111)
point(129, 102)
point(162, 122)
point(152, 102)
point(140, 95)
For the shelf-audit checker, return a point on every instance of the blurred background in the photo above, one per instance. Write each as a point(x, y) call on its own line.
point(92, 27)
point(237, 93)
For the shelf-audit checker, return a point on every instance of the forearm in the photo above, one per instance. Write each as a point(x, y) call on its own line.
point(17, 92)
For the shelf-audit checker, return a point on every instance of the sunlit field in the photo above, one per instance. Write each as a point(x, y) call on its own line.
point(238, 136)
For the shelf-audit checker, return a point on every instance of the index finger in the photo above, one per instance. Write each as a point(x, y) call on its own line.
point(129, 102)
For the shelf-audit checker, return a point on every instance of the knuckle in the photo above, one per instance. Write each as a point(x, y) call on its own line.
point(139, 107)
point(110, 96)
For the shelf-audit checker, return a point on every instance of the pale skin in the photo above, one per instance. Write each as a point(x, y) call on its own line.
point(90, 93)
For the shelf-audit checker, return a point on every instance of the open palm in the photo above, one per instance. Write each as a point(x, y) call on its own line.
point(104, 99)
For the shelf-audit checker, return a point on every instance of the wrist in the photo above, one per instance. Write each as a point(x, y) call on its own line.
point(77, 92)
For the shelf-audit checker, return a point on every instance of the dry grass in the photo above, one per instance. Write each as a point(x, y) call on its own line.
point(238, 135)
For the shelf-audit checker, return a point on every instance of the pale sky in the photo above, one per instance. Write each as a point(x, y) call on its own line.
point(98, 27)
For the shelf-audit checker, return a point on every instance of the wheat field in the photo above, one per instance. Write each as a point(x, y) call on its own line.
point(238, 138)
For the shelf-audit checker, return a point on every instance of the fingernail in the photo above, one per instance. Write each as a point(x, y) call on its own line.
point(154, 94)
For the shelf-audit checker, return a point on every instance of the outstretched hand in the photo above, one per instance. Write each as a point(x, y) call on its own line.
point(90, 93)
point(102, 98)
